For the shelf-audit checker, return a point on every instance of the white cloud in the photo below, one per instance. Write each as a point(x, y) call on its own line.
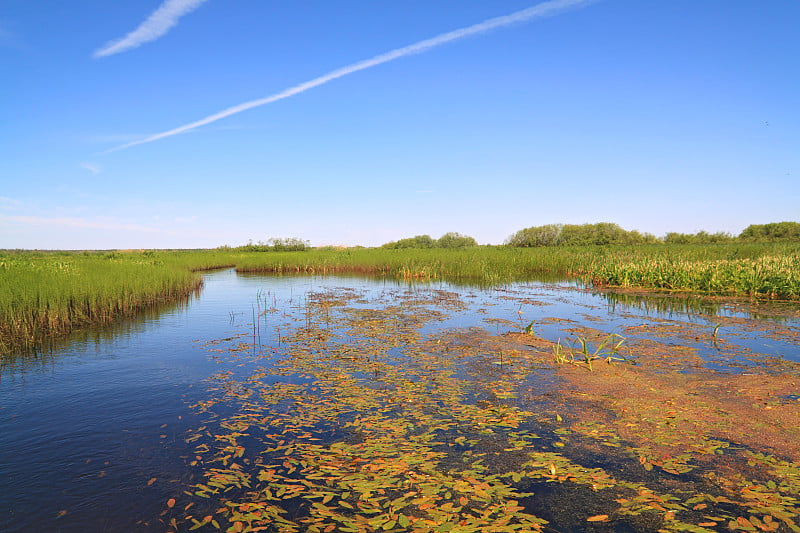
point(156, 25)
point(109, 138)
point(537, 11)
point(94, 168)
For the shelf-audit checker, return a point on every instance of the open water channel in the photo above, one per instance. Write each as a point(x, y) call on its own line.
point(114, 429)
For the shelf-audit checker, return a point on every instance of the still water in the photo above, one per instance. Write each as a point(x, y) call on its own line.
point(93, 433)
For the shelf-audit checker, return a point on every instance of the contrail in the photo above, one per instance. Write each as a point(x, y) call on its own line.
point(539, 10)
point(156, 25)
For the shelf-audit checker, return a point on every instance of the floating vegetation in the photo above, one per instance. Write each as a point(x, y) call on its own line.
point(367, 416)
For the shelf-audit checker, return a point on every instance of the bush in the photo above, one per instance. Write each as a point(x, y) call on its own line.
point(775, 231)
point(455, 240)
point(274, 244)
point(577, 235)
point(448, 240)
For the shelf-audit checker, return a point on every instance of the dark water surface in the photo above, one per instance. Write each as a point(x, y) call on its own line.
point(92, 434)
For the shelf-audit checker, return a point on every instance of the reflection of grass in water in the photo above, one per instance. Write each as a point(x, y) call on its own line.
point(374, 439)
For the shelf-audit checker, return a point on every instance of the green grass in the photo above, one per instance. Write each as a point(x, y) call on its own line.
point(481, 265)
point(47, 294)
point(732, 269)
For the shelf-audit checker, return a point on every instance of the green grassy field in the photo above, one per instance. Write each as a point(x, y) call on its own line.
point(47, 294)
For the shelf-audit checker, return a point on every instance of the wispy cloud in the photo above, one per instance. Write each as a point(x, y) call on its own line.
point(537, 11)
point(94, 168)
point(156, 25)
point(113, 138)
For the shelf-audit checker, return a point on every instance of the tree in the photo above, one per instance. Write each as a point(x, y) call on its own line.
point(418, 241)
point(775, 231)
point(455, 240)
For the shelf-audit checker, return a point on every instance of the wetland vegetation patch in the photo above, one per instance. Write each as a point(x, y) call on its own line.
point(368, 413)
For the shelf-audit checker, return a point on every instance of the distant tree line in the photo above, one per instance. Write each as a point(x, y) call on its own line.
point(273, 244)
point(776, 231)
point(608, 233)
point(600, 233)
point(701, 237)
point(448, 240)
point(773, 232)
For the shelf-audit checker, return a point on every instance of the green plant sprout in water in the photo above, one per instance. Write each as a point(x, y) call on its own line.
point(608, 351)
point(529, 328)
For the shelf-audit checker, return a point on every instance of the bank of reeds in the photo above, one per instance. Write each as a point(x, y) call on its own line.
point(481, 265)
point(732, 269)
point(45, 295)
point(770, 276)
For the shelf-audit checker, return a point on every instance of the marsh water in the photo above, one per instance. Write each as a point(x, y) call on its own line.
point(115, 429)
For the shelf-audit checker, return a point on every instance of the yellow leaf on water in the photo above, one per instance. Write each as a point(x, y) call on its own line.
point(171, 503)
point(743, 521)
point(61, 513)
point(597, 518)
point(151, 481)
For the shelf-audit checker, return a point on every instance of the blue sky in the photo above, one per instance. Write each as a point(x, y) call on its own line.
point(657, 115)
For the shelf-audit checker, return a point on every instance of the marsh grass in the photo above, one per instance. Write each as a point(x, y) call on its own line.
point(772, 276)
point(47, 294)
point(769, 270)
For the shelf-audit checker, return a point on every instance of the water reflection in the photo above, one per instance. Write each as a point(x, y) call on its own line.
point(674, 305)
point(86, 338)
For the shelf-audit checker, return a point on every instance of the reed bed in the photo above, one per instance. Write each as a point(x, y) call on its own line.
point(734, 269)
point(47, 294)
point(771, 276)
point(483, 265)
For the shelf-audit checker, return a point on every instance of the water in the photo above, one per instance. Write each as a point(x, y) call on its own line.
point(92, 434)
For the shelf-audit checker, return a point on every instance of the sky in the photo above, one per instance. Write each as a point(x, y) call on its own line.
point(199, 123)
